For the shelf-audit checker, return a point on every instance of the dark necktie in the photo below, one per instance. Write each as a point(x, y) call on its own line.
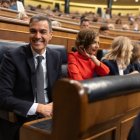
point(40, 98)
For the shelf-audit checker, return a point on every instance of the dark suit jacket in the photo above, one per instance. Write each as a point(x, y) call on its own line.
point(134, 133)
point(114, 70)
point(17, 78)
point(135, 66)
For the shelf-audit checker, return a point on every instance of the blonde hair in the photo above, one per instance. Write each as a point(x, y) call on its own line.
point(121, 51)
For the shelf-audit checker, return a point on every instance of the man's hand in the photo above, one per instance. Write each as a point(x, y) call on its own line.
point(45, 110)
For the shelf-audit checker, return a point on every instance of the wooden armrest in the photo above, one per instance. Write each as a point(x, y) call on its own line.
point(32, 131)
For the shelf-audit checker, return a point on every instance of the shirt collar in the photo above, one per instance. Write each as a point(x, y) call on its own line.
point(36, 54)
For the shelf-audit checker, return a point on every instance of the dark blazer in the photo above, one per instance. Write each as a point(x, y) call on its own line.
point(135, 66)
point(18, 85)
point(134, 133)
point(17, 74)
point(114, 70)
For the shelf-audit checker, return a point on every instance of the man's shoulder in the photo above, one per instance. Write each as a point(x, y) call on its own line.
point(17, 51)
point(19, 48)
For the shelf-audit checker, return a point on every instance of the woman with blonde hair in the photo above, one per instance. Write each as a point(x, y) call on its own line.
point(83, 63)
point(119, 56)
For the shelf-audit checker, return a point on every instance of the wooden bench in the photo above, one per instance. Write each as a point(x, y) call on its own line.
point(8, 12)
point(96, 109)
point(62, 36)
point(71, 25)
point(69, 42)
point(19, 25)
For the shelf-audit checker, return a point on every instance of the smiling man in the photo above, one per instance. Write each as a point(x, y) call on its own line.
point(19, 88)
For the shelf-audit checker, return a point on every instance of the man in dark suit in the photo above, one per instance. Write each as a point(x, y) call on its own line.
point(18, 88)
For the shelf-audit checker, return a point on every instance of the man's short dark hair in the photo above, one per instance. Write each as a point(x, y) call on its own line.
point(41, 17)
point(84, 20)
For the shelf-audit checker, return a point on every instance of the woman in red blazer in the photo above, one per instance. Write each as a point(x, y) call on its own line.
point(83, 63)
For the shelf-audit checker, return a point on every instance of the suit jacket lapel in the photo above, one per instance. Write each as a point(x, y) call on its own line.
point(31, 64)
point(49, 66)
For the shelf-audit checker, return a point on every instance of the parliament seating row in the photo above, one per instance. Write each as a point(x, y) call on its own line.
point(6, 45)
point(69, 27)
point(97, 109)
point(69, 42)
point(19, 25)
point(60, 35)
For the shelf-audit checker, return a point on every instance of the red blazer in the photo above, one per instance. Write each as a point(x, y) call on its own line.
point(80, 68)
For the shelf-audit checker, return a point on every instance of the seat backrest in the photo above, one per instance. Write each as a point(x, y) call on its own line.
point(6, 45)
point(63, 51)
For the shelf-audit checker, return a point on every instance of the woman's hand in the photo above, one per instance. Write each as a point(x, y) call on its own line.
point(92, 57)
point(89, 55)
